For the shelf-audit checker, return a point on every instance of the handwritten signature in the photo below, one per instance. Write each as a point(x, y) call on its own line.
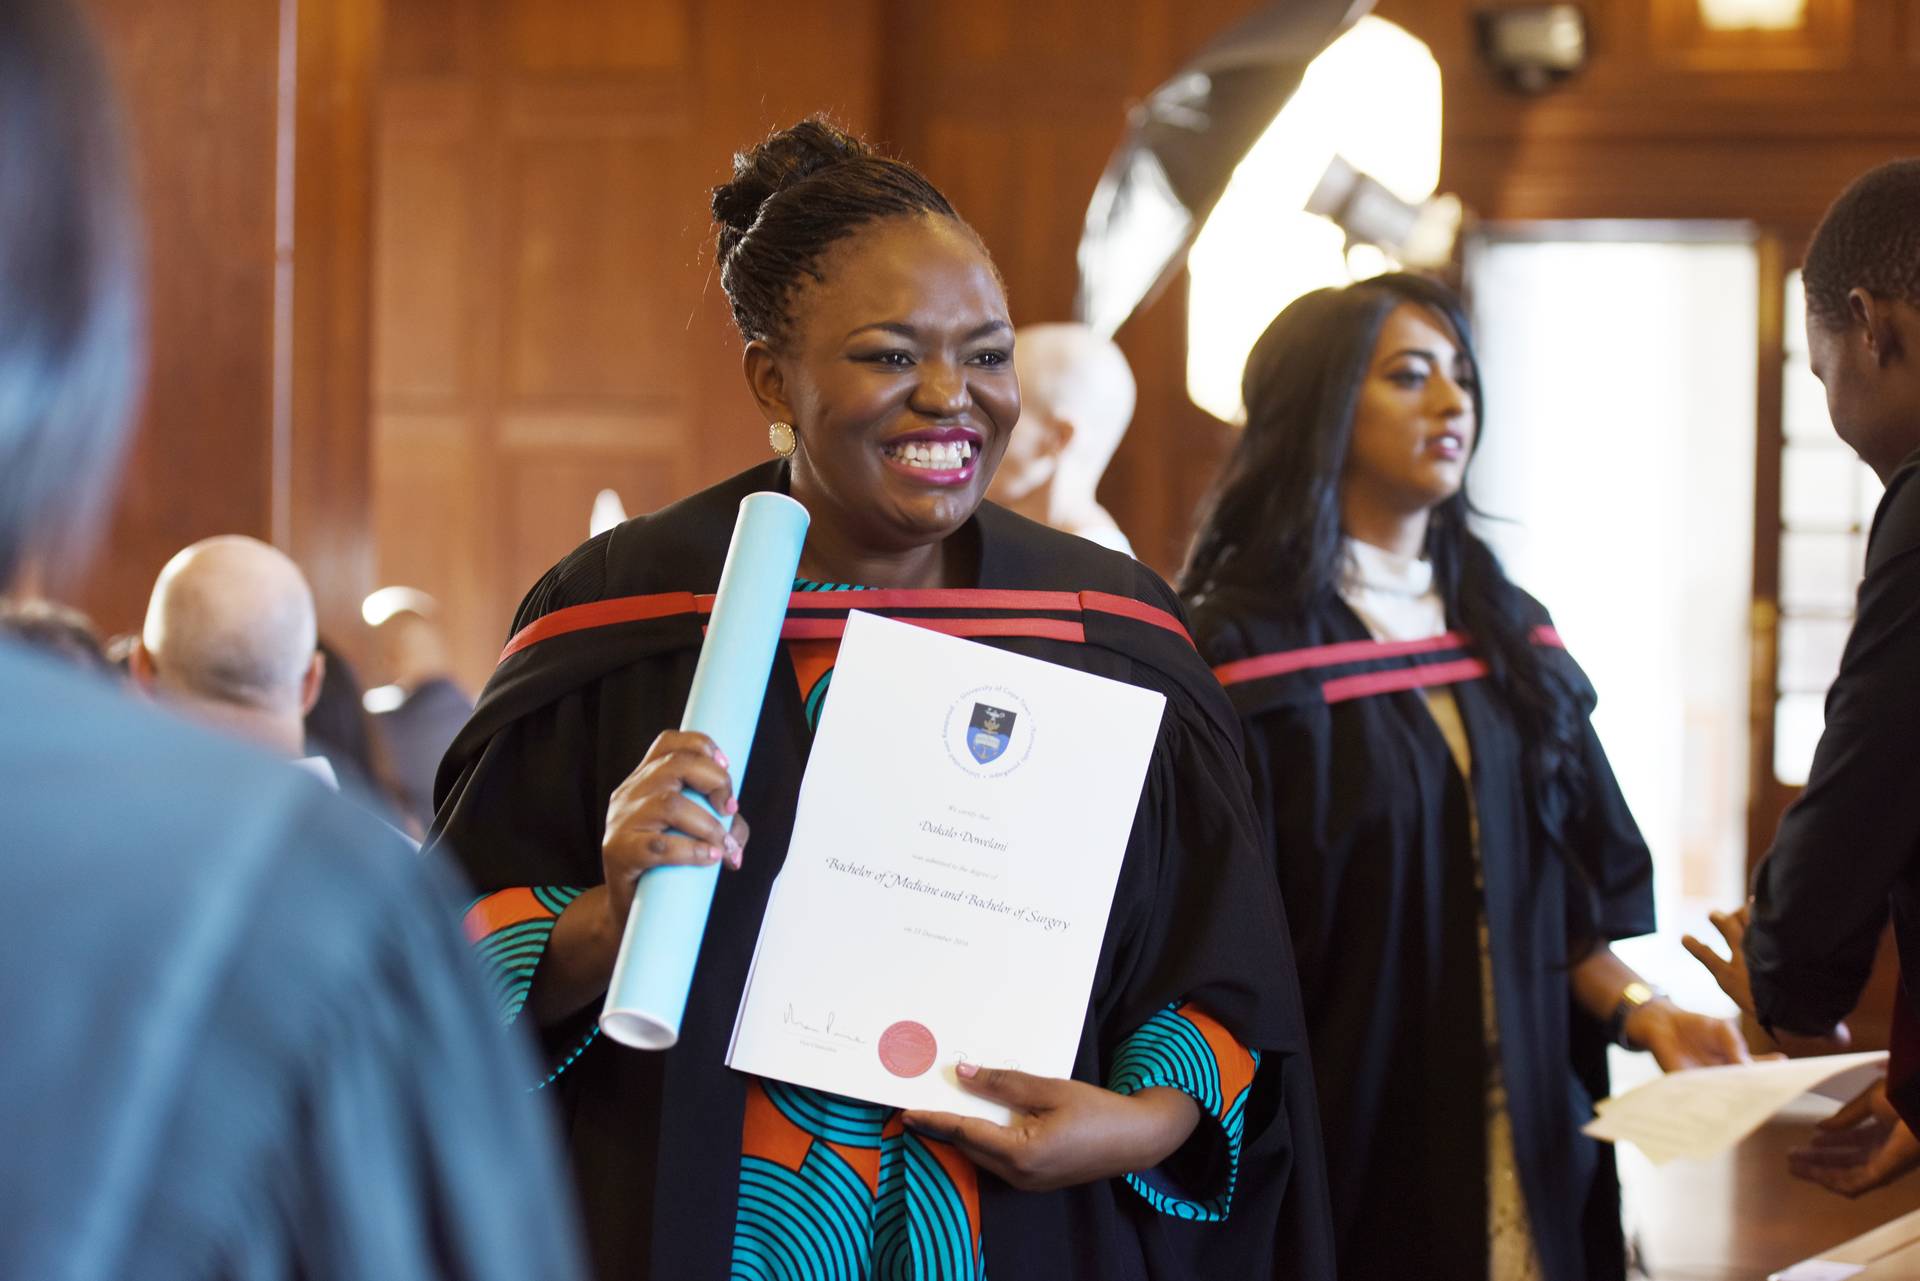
point(826, 1028)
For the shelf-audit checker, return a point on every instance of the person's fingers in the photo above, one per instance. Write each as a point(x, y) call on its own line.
point(1700, 952)
point(677, 810)
point(1835, 1149)
point(1844, 1180)
point(632, 854)
point(1015, 1089)
point(1855, 1110)
point(740, 833)
point(1728, 1045)
point(1732, 927)
point(688, 740)
point(692, 771)
point(986, 1144)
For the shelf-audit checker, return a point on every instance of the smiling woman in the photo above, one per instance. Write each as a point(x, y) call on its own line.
point(1185, 1144)
point(899, 384)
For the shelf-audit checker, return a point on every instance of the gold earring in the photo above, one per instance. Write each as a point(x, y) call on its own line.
point(781, 437)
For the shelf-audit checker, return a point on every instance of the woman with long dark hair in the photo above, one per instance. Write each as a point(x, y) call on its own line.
point(1452, 847)
point(1185, 1144)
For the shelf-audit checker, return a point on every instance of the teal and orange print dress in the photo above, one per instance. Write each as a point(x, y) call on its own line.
point(688, 1171)
point(834, 1188)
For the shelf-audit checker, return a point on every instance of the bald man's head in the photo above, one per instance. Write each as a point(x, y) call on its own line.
point(232, 621)
point(1077, 396)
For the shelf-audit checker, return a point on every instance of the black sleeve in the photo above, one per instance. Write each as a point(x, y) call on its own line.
point(527, 807)
point(1820, 896)
point(354, 1108)
point(1205, 925)
point(1600, 830)
point(1609, 846)
point(1199, 915)
point(420, 1144)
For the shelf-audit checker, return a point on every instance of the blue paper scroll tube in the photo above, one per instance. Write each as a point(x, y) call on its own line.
point(648, 992)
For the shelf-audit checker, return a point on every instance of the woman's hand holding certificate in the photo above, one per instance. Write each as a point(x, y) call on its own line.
point(1063, 1132)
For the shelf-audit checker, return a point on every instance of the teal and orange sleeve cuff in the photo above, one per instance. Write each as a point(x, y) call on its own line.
point(1183, 1049)
point(509, 930)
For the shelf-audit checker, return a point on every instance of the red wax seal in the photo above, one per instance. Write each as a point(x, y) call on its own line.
point(907, 1048)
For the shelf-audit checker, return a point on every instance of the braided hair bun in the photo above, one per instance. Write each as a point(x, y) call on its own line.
point(790, 199)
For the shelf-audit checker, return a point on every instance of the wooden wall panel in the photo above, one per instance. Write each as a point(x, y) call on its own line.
point(429, 521)
point(545, 273)
point(426, 38)
point(423, 297)
point(255, 412)
point(550, 38)
point(589, 244)
point(199, 87)
point(549, 492)
point(323, 466)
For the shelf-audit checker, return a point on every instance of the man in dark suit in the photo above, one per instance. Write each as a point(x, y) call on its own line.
point(1848, 852)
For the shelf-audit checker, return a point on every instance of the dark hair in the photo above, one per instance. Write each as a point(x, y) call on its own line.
point(1272, 523)
point(1869, 239)
point(791, 198)
point(71, 314)
point(56, 629)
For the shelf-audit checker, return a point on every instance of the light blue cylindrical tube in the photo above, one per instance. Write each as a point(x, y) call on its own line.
point(648, 993)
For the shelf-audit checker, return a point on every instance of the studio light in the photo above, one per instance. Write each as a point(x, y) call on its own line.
point(1300, 149)
point(1339, 187)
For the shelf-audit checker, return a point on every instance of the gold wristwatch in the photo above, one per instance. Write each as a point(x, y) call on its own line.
point(1632, 997)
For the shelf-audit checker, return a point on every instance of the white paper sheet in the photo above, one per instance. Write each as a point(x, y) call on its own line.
point(960, 831)
point(1819, 1270)
point(1703, 1112)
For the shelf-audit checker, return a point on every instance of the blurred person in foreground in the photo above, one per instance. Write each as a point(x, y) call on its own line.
point(420, 709)
point(1076, 399)
point(237, 1045)
point(56, 629)
point(1847, 855)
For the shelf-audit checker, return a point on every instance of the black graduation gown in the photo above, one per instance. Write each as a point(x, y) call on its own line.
point(601, 661)
point(1371, 836)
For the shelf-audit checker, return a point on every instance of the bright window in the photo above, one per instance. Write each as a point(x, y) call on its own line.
point(1827, 499)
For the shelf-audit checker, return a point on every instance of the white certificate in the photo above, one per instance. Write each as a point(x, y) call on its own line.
point(1702, 1112)
point(960, 831)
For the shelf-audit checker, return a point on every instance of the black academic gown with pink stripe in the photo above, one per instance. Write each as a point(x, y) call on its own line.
point(1370, 833)
point(600, 662)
